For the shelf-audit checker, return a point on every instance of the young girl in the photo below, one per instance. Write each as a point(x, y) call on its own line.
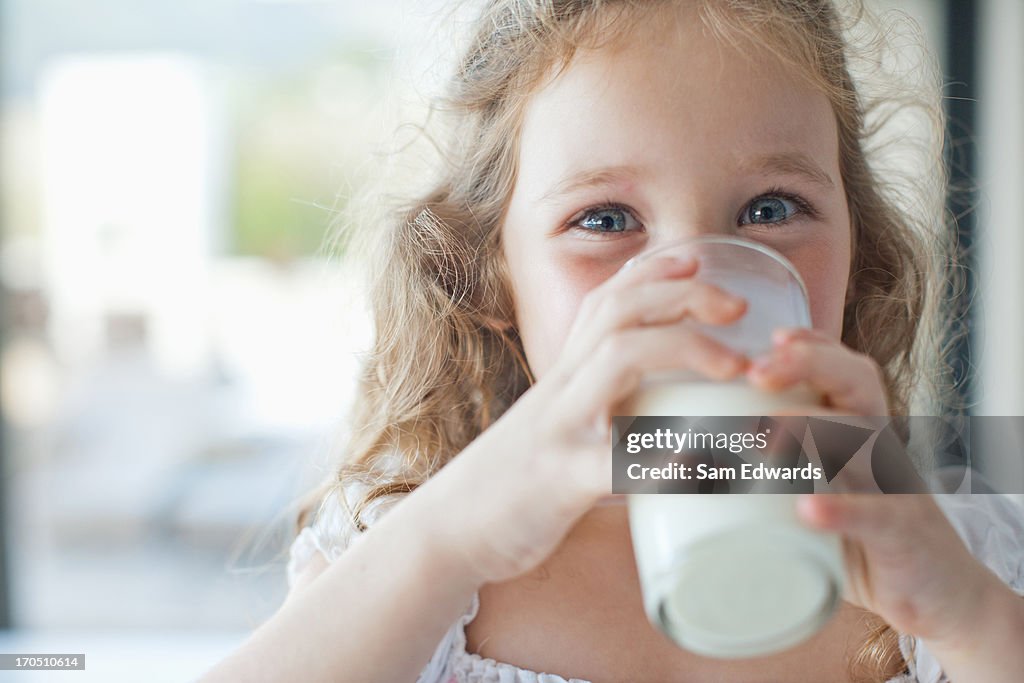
point(469, 536)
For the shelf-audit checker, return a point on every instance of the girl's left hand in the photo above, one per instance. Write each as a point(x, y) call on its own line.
point(904, 560)
point(849, 383)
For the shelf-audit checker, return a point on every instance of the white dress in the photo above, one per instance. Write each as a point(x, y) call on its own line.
point(991, 526)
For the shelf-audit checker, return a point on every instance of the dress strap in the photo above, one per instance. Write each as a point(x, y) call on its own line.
point(438, 669)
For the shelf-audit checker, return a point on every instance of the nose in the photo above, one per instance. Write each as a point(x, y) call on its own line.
point(676, 244)
point(681, 232)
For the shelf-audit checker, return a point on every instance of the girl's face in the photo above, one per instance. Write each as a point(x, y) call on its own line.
point(663, 135)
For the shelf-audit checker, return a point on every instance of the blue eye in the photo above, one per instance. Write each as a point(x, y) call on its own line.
point(774, 208)
point(606, 219)
point(769, 210)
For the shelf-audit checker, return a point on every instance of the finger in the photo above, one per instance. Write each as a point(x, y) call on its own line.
point(668, 301)
point(848, 381)
point(658, 302)
point(837, 512)
point(869, 518)
point(646, 270)
point(784, 335)
point(654, 303)
point(614, 371)
point(829, 513)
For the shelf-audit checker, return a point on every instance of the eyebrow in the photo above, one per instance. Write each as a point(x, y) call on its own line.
point(789, 163)
point(608, 175)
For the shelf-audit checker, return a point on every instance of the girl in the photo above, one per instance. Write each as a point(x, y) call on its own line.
point(507, 331)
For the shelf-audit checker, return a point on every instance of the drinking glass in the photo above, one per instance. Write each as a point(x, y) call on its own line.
point(733, 575)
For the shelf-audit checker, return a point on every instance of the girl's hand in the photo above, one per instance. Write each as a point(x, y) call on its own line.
point(511, 496)
point(904, 561)
point(849, 383)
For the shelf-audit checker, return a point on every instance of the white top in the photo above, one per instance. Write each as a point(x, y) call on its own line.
point(991, 526)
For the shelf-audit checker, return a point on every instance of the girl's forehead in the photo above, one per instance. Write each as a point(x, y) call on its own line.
point(671, 97)
point(669, 49)
point(663, 93)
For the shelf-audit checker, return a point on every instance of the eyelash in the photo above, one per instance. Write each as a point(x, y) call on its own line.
point(803, 208)
point(573, 223)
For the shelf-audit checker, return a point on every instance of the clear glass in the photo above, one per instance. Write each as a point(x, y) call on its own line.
point(733, 575)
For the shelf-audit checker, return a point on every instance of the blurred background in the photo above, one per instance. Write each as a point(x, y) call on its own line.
point(178, 345)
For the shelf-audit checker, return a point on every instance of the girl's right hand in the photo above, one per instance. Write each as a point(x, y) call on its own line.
point(510, 497)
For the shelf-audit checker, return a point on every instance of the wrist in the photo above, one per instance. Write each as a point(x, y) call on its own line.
point(439, 548)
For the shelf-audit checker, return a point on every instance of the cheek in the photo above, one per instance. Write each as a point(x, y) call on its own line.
point(549, 289)
point(826, 273)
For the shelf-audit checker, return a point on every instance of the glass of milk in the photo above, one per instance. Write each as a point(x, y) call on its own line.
point(733, 575)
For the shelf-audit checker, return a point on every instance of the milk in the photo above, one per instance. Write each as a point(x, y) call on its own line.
point(730, 575)
point(708, 399)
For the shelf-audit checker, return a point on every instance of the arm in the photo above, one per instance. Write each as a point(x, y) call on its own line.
point(908, 564)
point(503, 504)
point(986, 647)
point(377, 613)
point(905, 560)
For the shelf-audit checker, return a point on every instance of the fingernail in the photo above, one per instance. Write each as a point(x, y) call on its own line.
point(682, 261)
point(805, 506)
point(782, 336)
point(735, 303)
point(761, 365)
